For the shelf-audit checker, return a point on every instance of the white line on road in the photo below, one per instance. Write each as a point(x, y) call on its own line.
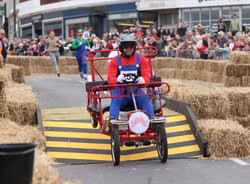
point(82, 82)
point(238, 161)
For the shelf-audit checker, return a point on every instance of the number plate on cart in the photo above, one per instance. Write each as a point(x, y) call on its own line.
point(138, 122)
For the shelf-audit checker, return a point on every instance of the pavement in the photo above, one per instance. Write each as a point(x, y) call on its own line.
point(69, 91)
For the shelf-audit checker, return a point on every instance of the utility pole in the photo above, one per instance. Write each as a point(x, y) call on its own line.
point(14, 14)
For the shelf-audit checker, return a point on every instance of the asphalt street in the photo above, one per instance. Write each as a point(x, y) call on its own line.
point(69, 91)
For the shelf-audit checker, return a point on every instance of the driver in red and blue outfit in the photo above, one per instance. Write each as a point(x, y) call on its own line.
point(128, 62)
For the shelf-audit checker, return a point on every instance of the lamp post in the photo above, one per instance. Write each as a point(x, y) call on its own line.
point(14, 14)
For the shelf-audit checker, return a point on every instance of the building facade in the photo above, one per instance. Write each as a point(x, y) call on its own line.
point(37, 17)
point(194, 12)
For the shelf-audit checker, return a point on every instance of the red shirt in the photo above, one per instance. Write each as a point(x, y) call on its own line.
point(113, 68)
point(200, 49)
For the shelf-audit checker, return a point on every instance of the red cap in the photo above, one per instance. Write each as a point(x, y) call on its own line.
point(52, 31)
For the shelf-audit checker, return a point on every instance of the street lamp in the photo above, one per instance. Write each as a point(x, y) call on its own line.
point(14, 14)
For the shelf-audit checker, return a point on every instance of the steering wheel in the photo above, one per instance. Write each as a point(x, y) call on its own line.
point(130, 78)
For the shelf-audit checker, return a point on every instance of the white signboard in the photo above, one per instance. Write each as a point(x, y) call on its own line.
point(138, 122)
point(170, 4)
point(206, 3)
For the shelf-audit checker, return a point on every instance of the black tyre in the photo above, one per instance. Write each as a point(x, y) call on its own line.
point(161, 143)
point(93, 121)
point(115, 145)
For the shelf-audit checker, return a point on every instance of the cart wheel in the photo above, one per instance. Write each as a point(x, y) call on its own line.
point(161, 143)
point(94, 123)
point(115, 145)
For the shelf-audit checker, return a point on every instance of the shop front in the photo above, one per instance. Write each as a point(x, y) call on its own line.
point(207, 13)
point(41, 24)
point(72, 25)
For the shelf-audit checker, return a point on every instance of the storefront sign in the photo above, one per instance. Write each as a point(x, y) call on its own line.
point(206, 3)
point(170, 4)
point(156, 4)
point(37, 18)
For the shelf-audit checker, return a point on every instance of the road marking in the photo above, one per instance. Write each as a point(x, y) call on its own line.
point(130, 157)
point(98, 146)
point(82, 82)
point(238, 161)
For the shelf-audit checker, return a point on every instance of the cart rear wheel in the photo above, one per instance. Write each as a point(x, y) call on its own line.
point(161, 143)
point(94, 123)
point(115, 145)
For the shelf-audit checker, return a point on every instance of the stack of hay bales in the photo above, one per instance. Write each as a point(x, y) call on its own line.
point(190, 69)
point(43, 172)
point(223, 114)
point(20, 61)
point(226, 138)
point(238, 70)
point(17, 73)
point(21, 103)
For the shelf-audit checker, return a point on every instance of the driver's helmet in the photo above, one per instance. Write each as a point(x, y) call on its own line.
point(127, 39)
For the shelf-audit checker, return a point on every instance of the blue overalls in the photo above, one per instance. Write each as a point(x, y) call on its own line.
point(143, 103)
point(82, 64)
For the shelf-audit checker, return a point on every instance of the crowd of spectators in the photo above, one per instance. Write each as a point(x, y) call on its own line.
point(180, 42)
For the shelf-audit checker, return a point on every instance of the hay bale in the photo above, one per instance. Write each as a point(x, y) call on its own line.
point(244, 121)
point(1, 61)
point(43, 171)
point(69, 70)
point(2, 90)
point(226, 138)
point(239, 101)
point(239, 57)
point(199, 65)
point(17, 73)
point(206, 102)
point(21, 103)
point(5, 73)
point(12, 132)
point(246, 81)
point(20, 61)
point(230, 70)
point(232, 81)
point(241, 70)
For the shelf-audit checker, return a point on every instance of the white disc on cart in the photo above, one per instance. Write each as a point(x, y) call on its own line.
point(138, 122)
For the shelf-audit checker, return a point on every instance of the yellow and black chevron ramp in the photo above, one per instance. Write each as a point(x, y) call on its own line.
point(71, 139)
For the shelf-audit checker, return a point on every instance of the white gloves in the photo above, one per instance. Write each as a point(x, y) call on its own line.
point(140, 80)
point(80, 43)
point(120, 78)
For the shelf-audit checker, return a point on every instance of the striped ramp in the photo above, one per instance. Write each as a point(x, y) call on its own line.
point(70, 138)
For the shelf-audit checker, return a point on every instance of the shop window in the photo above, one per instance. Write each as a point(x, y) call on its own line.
point(205, 14)
point(27, 32)
point(56, 26)
point(214, 28)
point(226, 13)
point(176, 18)
point(148, 19)
point(195, 15)
point(166, 19)
point(186, 15)
point(236, 10)
point(245, 12)
point(206, 24)
point(122, 23)
point(215, 13)
point(194, 25)
point(246, 23)
point(72, 29)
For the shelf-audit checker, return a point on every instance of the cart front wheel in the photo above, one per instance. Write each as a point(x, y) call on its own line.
point(115, 145)
point(161, 143)
point(94, 123)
